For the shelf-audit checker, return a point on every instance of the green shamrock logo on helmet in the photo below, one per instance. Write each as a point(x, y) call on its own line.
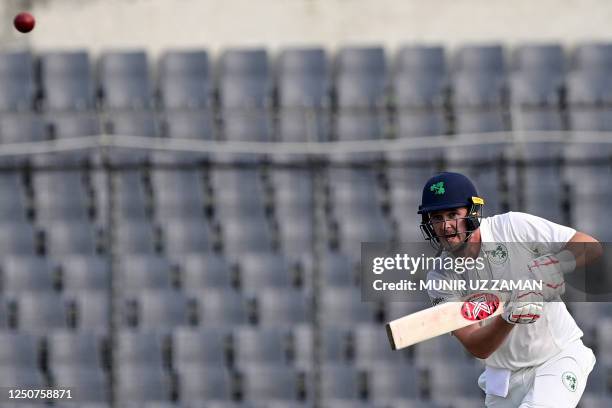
point(438, 188)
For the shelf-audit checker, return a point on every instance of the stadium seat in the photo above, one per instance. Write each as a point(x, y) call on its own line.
point(220, 307)
point(67, 81)
point(197, 125)
point(80, 272)
point(124, 80)
point(138, 348)
point(303, 125)
point(244, 62)
point(201, 271)
point(245, 78)
point(540, 58)
point(357, 227)
point(135, 237)
point(344, 305)
point(419, 91)
point(12, 197)
point(340, 381)
point(361, 78)
point(205, 347)
point(23, 274)
point(359, 126)
point(421, 59)
point(588, 89)
point(177, 193)
point(385, 382)
point(596, 120)
point(302, 62)
point(90, 310)
point(125, 123)
point(138, 383)
point(22, 127)
point(244, 234)
point(77, 349)
point(480, 58)
point(17, 81)
point(19, 350)
point(295, 231)
point(68, 125)
point(138, 272)
point(474, 90)
point(267, 382)
point(39, 312)
point(184, 79)
point(70, 238)
point(258, 345)
point(282, 307)
point(302, 346)
point(259, 270)
point(185, 235)
point(159, 310)
point(540, 119)
point(60, 196)
point(17, 238)
point(361, 60)
point(442, 348)
point(21, 377)
point(592, 401)
point(251, 126)
point(89, 384)
point(370, 347)
point(535, 90)
point(593, 56)
point(420, 124)
point(201, 383)
point(446, 382)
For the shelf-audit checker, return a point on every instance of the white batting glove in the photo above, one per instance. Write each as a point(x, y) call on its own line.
point(550, 269)
point(523, 307)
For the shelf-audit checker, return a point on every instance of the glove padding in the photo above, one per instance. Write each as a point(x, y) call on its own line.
point(548, 269)
point(523, 307)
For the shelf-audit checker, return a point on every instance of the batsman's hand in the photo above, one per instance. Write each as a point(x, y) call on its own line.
point(523, 307)
point(548, 269)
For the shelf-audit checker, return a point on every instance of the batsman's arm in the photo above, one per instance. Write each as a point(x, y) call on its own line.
point(482, 341)
point(585, 249)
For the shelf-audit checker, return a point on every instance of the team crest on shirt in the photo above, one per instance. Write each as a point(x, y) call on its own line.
point(498, 255)
point(570, 380)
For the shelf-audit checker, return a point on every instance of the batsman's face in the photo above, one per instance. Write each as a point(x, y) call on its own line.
point(450, 225)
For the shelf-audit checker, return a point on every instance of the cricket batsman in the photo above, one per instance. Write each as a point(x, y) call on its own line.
point(533, 351)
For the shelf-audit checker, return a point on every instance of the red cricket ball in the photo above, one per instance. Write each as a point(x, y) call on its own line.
point(24, 22)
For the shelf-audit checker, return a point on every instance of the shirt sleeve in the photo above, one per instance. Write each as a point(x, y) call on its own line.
point(547, 234)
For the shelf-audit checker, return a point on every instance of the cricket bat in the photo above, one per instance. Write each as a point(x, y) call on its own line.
point(443, 318)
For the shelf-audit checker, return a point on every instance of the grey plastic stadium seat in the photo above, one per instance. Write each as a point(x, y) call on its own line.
point(468, 122)
point(200, 271)
point(138, 383)
point(244, 62)
point(535, 90)
point(39, 312)
point(66, 80)
point(335, 343)
point(138, 272)
point(587, 88)
point(22, 127)
point(17, 238)
point(130, 197)
point(355, 228)
point(16, 81)
point(585, 179)
point(419, 91)
point(21, 377)
point(303, 125)
point(448, 381)
point(77, 349)
point(74, 124)
point(267, 382)
point(259, 270)
point(540, 119)
point(361, 60)
point(124, 123)
point(124, 80)
point(238, 192)
point(186, 235)
point(302, 62)
point(593, 401)
point(85, 273)
point(420, 59)
point(70, 238)
point(302, 346)
point(340, 381)
point(60, 196)
point(202, 383)
point(442, 348)
point(344, 305)
point(295, 231)
point(204, 347)
point(336, 270)
point(89, 384)
point(189, 125)
point(304, 93)
point(91, 309)
point(480, 59)
point(359, 126)
point(590, 119)
point(361, 90)
point(243, 234)
point(220, 307)
point(12, 197)
point(473, 90)
point(21, 274)
point(177, 193)
point(540, 58)
point(138, 348)
point(244, 94)
point(19, 350)
point(161, 309)
point(135, 237)
point(371, 346)
point(392, 382)
point(594, 56)
point(184, 79)
point(259, 345)
point(251, 126)
point(282, 307)
point(350, 403)
point(418, 124)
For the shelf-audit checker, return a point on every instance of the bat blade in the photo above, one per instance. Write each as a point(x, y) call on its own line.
point(441, 319)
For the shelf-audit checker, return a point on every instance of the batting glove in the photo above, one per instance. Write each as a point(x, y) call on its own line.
point(523, 307)
point(550, 269)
